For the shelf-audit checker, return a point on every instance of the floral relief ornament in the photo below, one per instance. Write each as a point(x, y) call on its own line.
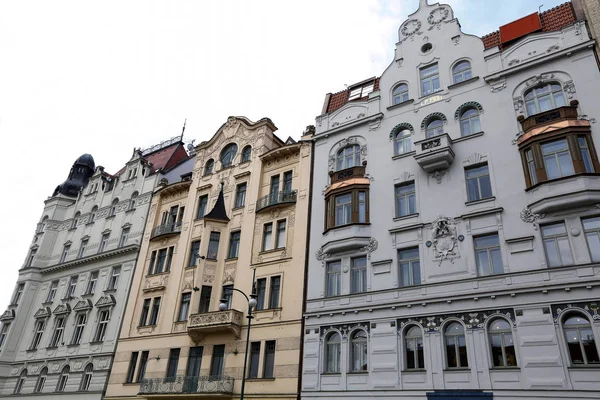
point(437, 16)
point(411, 28)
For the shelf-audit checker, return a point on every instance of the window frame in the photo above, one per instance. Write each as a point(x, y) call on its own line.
point(457, 346)
point(503, 333)
point(398, 96)
point(358, 275)
point(41, 381)
point(92, 282)
point(430, 79)
point(269, 362)
point(63, 378)
point(226, 152)
point(52, 291)
point(133, 360)
point(246, 154)
point(431, 130)
point(86, 378)
point(79, 328)
point(281, 234)
point(234, 245)
point(332, 365)
point(113, 280)
point(202, 206)
point(456, 73)
point(209, 167)
point(184, 306)
point(214, 242)
point(38, 333)
point(411, 266)
point(240, 194)
point(477, 179)
point(363, 354)
point(402, 138)
point(267, 237)
point(414, 340)
point(590, 231)
point(102, 325)
point(470, 120)
point(356, 214)
point(345, 161)
point(20, 381)
point(551, 95)
point(4, 333)
point(581, 314)
point(488, 250)
point(333, 276)
point(556, 239)
point(407, 198)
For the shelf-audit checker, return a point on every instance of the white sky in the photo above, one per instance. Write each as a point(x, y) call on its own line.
point(103, 77)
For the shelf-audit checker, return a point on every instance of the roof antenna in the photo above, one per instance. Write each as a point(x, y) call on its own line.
point(183, 130)
point(540, 8)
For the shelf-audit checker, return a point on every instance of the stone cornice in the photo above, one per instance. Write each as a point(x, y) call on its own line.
point(92, 258)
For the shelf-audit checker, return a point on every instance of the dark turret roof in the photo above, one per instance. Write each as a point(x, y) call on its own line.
point(218, 213)
point(87, 160)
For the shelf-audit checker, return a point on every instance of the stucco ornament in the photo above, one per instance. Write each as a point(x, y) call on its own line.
point(541, 78)
point(530, 217)
point(410, 28)
point(569, 88)
point(437, 16)
point(371, 247)
point(444, 239)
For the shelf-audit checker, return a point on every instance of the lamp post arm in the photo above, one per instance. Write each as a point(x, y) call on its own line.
point(245, 295)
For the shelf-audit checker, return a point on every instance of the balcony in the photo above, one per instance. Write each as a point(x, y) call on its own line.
point(203, 385)
point(434, 153)
point(275, 199)
point(199, 325)
point(353, 172)
point(166, 229)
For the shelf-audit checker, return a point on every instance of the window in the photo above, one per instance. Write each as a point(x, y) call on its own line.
point(269, 360)
point(75, 220)
point(72, 286)
point(591, 226)
point(580, 340)
point(124, 237)
point(543, 98)
point(261, 292)
point(216, 365)
point(194, 253)
point(154, 313)
point(4, 333)
point(406, 203)
point(274, 292)
point(400, 94)
point(20, 382)
point(103, 319)
point(556, 245)
point(234, 244)
point(586, 155)
point(93, 214)
point(430, 79)
point(113, 281)
point(31, 257)
point(131, 368)
point(80, 322)
point(413, 343)
point(343, 209)
point(254, 359)
point(205, 295)
point(213, 245)
point(333, 352)
point(184, 307)
point(240, 195)
point(52, 291)
point(435, 127)
point(402, 142)
point(161, 261)
point(334, 278)
point(479, 186)
point(358, 351)
point(280, 242)
point(267, 242)
point(41, 381)
point(62, 379)
point(227, 295)
point(82, 247)
point(361, 91)
point(142, 367)
point(86, 379)
point(501, 341)
point(410, 267)
point(208, 168)
point(362, 207)
point(145, 312)
point(134, 196)
point(40, 326)
point(113, 208)
point(65, 253)
point(202, 203)
point(469, 122)
point(228, 154)
point(18, 294)
point(359, 275)
point(173, 362)
point(461, 72)
point(531, 166)
point(91, 286)
point(348, 157)
point(456, 346)
point(194, 362)
point(487, 255)
point(246, 153)
point(557, 159)
point(287, 181)
point(274, 189)
point(103, 242)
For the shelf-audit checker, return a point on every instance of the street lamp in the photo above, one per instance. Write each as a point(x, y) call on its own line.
point(251, 304)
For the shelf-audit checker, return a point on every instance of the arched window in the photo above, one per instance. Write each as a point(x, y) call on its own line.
point(402, 142)
point(501, 342)
point(246, 153)
point(461, 72)
point(93, 214)
point(544, 97)
point(228, 154)
point(456, 346)
point(42, 224)
point(75, 220)
point(333, 352)
point(358, 351)
point(41, 381)
point(134, 196)
point(469, 122)
point(86, 379)
point(113, 207)
point(580, 340)
point(400, 94)
point(62, 379)
point(208, 168)
point(348, 157)
point(413, 343)
point(21, 381)
point(435, 127)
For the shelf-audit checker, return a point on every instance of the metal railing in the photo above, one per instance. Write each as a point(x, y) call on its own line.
point(276, 198)
point(187, 384)
point(165, 229)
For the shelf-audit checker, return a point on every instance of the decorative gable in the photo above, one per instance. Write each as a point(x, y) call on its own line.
point(106, 300)
point(83, 305)
point(62, 309)
point(7, 315)
point(43, 312)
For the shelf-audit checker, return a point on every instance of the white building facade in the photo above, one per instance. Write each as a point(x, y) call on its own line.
point(454, 242)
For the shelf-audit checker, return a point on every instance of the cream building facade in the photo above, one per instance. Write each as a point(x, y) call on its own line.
point(240, 219)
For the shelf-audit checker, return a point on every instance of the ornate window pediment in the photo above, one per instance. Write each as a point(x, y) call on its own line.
point(43, 312)
point(127, 225)
point(83, 305)
point(62, 309)
point(68, 243)
point(432, 117)
point(7, 315)
point(106, 300)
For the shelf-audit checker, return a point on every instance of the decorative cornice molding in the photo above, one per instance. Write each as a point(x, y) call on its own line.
point(92, 258)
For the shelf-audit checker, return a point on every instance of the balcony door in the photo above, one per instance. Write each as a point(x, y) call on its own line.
point(192, 374)
point(173, 215)
point(274, 187)
point(216, 365)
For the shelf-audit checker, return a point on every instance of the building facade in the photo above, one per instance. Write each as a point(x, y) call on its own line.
point(59, 333)
point(454, 241)
point(240, 222)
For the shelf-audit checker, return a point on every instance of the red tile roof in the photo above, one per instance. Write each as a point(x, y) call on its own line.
point(337, 100)
point(164, 158)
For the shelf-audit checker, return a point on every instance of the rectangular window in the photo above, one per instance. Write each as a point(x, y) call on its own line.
point(409, 266)
point(143, 363)
point(113, 281)
point(280, 242)
point(40, 326)
point(4, 333)
point(103, 242)
point(557, 159)
point(487, 255)
point(287, 181)
point(556, 245)
point(430, 79)
point(173, 363)
point(145, 312)
point(531, 167)
point(261, 293)
point(274, 292)
point(478, 182)
point(213, 245)
point(406, 199)
point(153, 263)
point(65, 253)
point(52, 292)
point(91, 286)
point(216, 365)
point(343, 209)
point(194, 253)
point(194, 363)
point(240, 195)
point(72, 286)
point(124, 237)
point(18, 294)
point(59, 327)
point(359, 274)
point(30, 258)
point(254, 359)
point(82, 248)
point(586, 156)
point(274, 188)
point(205, 295)
point(591, 226)
point(234, 244)
point(227, 295)
point(169, 259)
point(155, 310)
point(80, 322)
point(131, 369)
point(103, 319)
point(362, 207)
point(267, 243)
point(269, 360)
point(202, 203)
point(184, 307)
point(334, 278)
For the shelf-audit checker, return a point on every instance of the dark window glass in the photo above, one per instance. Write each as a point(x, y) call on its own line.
point(240, 195)
point(155, 309)
point(213, 245)
point(194, 361)
point(287, 181)
point(413, 340)
point(228, 154)
point(194, 252)
point(234, 244)
point(261, 290)
point(142, 368)
point(254, 359)
point(501, 341)
point(184, 308)
point(132, 365)
point(205, 295)
point(202, 203)
point(274, 295)
point(173, 362)
point(145, 311)
point(269, 363)
point(227, 295)
point(216, 365)
point(246, 153)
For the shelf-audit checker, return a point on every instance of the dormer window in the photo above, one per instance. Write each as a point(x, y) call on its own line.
point(361, 91)
point(430, 79)
point(348, 157)
point(545, 97)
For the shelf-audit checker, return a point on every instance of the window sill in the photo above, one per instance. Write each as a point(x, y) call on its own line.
point(226, 167)
point(475, 202)
point(13, 305)
point(51, 347)
point(467, 137)
point(516, 368)
point(73, 229)
point(562, 178)
point(392, 107)
point(73, 345)
point(130, 210)
point(131, 384)
point(409, 216)
point(31, 350)
point(461, 369)
point(357, 373)
point(267, 309)
point(191, 266)
point(110, 291)
point(231, 259)
point(110, 216)
point(47, 303)
point(414, 371)
point(97, 342)
point(238, 208)
point(199, 219)
point(271, 250)
point(90, 223)
point(158, 274)
point(331, 373)
point(259, 379)
point(405, 155)
point(211, 259)
point(146, 326)
point(455, 85)
point(86, 295)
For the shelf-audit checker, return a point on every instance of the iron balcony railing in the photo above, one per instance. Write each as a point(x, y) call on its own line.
point(166, 229)
point(273, 199)
point(187, 384)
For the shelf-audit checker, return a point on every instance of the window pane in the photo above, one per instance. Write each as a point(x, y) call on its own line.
point(497, 266)
point(496, 344)
point(554, 229)
point(545, 103)
point(594, 245)
point(566, 164)
point(559, 99)
point(573, 344)
point(589, 346)
point(472, 190)
point(552, 253)
point(483, 262)
point(565, 251)
point(416, 270)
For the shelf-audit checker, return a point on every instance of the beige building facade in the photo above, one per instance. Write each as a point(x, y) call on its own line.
point(239, 219)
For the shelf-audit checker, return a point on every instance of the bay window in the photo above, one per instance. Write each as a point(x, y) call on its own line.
point(349, 207)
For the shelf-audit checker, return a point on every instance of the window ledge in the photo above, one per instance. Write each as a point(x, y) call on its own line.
point(110, 216)
point(259, 379)
point(357, 373)
point(405, 155)
point(31, 350)
point(331, 373)
point(475, 202)
point(47, 303)
point(461, 369)
point(562, 178)
point(191, 266)
point(97, 342)
point(409, 216)
point(211, 259)
point(414, 371)
point(110, 291)
point(238, 208)
point(271, 250)
point(226, 167)
point(51, 347)
point(455, 85)
point(267, 309)
point(11, 305)
point(409, 101)
point(231, 259)
point(72, 229)
point(467, 137)
point(346, 226)
point(131, 384)
point(90, 223)
point(73, 345)
point(130, 210)
point(157, 274)
point(199, 219)
point(87, 295)
point(588, 366)
point(516, 368)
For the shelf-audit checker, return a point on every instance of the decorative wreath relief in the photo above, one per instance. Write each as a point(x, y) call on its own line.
point(411, 27)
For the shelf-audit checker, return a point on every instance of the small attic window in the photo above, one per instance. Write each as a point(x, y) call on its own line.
point(426, 48)
point(362, 91)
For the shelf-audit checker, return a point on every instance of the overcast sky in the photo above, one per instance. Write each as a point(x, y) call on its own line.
point(104, 77)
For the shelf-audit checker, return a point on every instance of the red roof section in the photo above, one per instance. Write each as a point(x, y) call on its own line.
point(337, 100)
point(165, 158)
